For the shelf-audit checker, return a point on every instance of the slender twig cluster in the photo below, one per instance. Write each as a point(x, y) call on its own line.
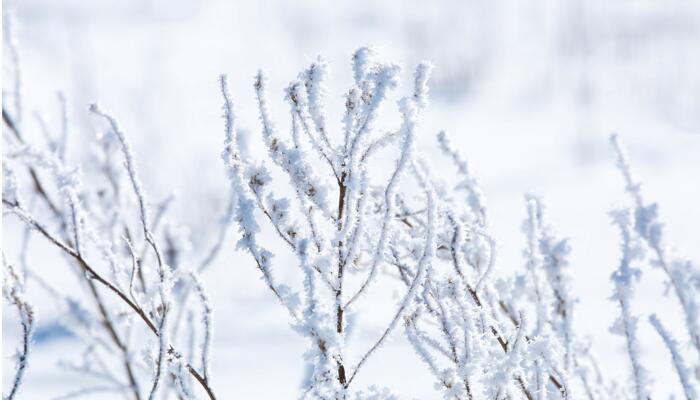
point(469, 327)
point(94, 230)
point(135, 268)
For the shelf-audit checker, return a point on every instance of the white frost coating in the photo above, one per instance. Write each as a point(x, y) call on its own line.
point(376, 393)
point(317, 325)
point(623, 164)
point(624, 279)
point(316, 76)
point(164, 305)
point(421, 76)
point(535, 261)
point(410, 113)
point(13, 291)
point(555, 261)
point(684, 373)
point(178, 368)
point(10, 191)
point(62, 147)
point(475, 197)
point(423, 263)
point(491, 263)
point(163, 312)
point(378, 84)
point(409, 108)
point(301, 114)
point(68, 182)
point(512, 361)
point(130, 166)
point(314, 82)
point(362, 61)
point(9, 27)
point(358, 124)
point(247, 224)
point(373, 83)
point(412, 335)
point(292, 161)
point(352, 106)
point(358, 231)
point(206, 324)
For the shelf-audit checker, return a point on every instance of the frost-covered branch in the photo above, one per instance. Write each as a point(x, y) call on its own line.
point(681, 273)
point(13, 292)
point(683, 372)
point(624, 279)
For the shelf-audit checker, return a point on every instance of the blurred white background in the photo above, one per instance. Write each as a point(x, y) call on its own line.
point(529, 90)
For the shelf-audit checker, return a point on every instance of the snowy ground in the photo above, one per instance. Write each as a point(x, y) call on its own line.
point(529, 92)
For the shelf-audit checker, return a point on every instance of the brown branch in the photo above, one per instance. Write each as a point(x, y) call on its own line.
point(109, 326)
point(106, 320)
point(93, 275)
point(342, 190)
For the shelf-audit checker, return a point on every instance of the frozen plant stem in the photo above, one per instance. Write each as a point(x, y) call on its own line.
point(13, 291)
point(650, 228)
point(684, 374)
point(624, 279)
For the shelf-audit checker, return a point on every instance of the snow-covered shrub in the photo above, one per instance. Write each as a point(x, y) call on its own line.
point(480, 334)
point(346, 216)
